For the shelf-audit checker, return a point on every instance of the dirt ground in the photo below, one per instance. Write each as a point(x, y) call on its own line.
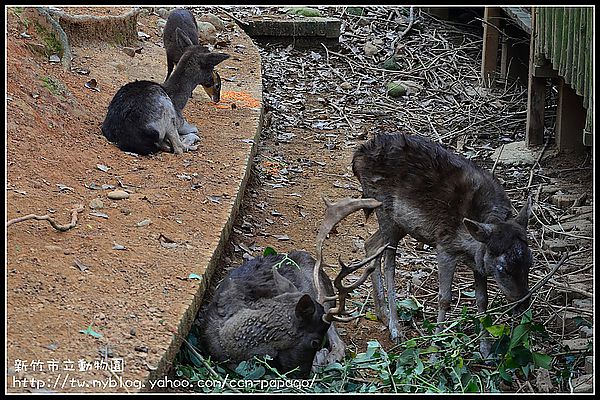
point(133, 296)
point(123, 270)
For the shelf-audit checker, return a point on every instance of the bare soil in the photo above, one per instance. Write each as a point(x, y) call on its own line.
point(136, 297)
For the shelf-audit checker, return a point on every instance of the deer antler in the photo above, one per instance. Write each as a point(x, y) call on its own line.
point(334, 313)
point(334, 213)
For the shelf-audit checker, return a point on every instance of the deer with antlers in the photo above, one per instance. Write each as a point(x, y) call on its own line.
point(283, 305)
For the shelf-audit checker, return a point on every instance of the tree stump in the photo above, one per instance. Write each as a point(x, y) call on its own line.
point(81, 29)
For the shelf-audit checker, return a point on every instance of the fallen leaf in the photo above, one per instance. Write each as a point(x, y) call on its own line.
point(92, 84)
point(99, 214)
point(82, 267)
point(117, 246)
point(194, 276)
point(281, 237)
point(91, 332)
point(102, 167)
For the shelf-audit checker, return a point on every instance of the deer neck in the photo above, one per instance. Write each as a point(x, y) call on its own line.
point(179, 87)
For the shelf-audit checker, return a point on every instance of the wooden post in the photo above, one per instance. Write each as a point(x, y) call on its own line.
point(491, 33)
point(570, 119)
point(536, 95)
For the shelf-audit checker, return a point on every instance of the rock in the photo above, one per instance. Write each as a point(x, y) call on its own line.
point(163, 13)
point(564, 200)
point(583, 384)
point(118, 195)
point(144, 222)
point(54, 58)
point(214, 20)
point(96, 204)
point(346, 85)
point(53, 248)
point(207, 33)
point(515, 153)
point(370, 49)
point(396, 89)
point(576, 344)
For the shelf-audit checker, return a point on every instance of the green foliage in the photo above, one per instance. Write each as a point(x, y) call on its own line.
point(514, 349)
point(53, 45)
point(55, 86)
point(448, 362)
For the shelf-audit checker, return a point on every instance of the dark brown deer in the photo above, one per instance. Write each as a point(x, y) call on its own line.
point(271, 306)
point(181, 32)
point(447, 201)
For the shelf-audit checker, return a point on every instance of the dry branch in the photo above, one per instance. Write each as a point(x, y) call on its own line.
point(55, 225)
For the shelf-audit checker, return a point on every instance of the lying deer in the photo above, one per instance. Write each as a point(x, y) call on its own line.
point(444, 200)
point(144, 115)
point(181, 31)
point(269, 306)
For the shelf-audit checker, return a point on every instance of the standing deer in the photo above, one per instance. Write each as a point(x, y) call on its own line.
point(181, 31)
point(272, 306)
point(444, 200)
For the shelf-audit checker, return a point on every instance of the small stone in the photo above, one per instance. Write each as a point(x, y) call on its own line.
point(130, 51)
point(163, 12)
point(214, 20)
point(54, 58)
point(53, 248)
point(133, 332)
point(96, 204)
point(346, 85)
point(564, 200)
point(207, 33)
point(370, 49)
point(144, 222)
point(118, 195)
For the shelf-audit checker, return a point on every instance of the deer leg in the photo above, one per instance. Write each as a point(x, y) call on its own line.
point(371, 245)
point(446, 267)
point(178, 146)
point(481, 298)
point(187, 128)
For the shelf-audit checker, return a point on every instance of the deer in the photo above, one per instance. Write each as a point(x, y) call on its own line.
point(144, 115)
point(180, 32)
point(448, 202)
point(273, 306)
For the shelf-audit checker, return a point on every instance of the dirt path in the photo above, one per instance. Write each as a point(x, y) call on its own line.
point(123, 271)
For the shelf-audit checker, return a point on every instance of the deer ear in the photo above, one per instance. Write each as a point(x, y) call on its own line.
point(182, 39)
point(523, 217)
point(212, 59)
point(480, 231)
point(305, 307)
point(282, 284)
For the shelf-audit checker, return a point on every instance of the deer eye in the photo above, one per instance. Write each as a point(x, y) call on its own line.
point(315, 344)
